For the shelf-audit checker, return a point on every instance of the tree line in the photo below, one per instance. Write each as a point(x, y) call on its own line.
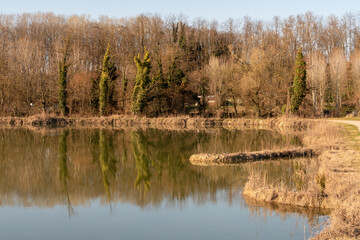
point(160, 66)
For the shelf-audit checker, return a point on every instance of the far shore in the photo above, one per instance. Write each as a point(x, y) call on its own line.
point(181, 122)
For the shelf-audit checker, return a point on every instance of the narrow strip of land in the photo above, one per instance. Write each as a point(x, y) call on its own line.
point(235, 158)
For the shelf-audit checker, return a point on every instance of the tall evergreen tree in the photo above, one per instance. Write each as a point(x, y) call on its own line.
point(175, 28)
point(142, 82)
point(175, 75)
point(298, 90)
point(107, 82)
point(159, 84)
point(182, 37)
point(124, 90)
point(159, 78)
point(112, 73)
point(62, 82)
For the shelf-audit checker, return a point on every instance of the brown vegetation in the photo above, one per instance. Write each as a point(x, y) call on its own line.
point(203, 159)
point(335, 185)
point(245, 65)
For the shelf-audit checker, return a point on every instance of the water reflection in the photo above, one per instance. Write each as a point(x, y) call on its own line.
point(141, 168)
point(142, 160)
point(146, 168)
point(63, 170)
point(131, 163)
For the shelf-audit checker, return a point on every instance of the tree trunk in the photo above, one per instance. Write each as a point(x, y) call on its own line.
point(313, 93)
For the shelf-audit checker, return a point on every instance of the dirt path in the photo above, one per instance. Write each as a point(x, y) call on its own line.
point(356, 123)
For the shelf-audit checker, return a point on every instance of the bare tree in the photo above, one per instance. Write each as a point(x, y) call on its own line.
point(316, 75)
point(337, 62)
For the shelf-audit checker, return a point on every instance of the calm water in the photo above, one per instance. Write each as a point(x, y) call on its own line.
point(138, 184)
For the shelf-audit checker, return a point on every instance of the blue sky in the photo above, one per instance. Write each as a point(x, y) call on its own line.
point(208, 9)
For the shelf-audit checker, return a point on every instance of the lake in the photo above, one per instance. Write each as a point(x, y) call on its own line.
point(139, 184)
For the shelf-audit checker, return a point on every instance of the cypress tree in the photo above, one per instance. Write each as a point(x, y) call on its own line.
point(142, 82)
point(124, 89)
point(62, 83)
point(182, 37)
point(112, 77)
point(175, 75)
point(107, 82)
point(159, 78)
point(175, 28)
point(298, 90)
point(159, 84)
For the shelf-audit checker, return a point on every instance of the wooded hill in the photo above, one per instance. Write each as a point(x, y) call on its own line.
point(75, 65)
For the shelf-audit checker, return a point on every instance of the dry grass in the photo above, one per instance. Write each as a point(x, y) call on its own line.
point(324, 135)
point(204, 159)
point(258, 188)
point(341, 169)
point(336, 185)
point(344, 222)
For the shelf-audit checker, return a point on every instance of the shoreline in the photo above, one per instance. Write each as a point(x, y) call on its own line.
point(119, 121)
point(336, 187)
point(204, 159)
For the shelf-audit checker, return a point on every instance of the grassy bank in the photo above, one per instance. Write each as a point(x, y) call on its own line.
point(335, 185)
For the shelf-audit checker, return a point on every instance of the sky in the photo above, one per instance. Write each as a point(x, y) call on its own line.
point(209, 9)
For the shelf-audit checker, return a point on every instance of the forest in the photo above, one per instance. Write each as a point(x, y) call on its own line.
point(153, 66)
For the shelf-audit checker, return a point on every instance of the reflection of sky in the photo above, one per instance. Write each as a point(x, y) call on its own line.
point(212, 220)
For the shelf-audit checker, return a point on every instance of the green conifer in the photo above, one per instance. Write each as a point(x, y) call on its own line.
point(142, 82)
point(62, 83)
point(298, 90)
point(107, 82)
point(159, 78)
point(175, 74)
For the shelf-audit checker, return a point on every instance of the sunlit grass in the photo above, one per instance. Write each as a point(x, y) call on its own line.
point(352, 134)
point(348, 118)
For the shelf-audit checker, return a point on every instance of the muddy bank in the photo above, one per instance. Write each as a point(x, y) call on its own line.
point(168, 123)
point(235, 158)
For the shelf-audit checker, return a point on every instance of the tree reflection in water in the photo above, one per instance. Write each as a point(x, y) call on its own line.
point(63, 170)
point(102, 153)
point(143, 167)
point(142, 160)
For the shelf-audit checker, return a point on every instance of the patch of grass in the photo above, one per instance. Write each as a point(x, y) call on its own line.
point(349, 118)
point(323, 135)
point(352, 135)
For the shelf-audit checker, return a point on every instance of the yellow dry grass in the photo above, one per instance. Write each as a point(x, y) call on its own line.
point(336, 185)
